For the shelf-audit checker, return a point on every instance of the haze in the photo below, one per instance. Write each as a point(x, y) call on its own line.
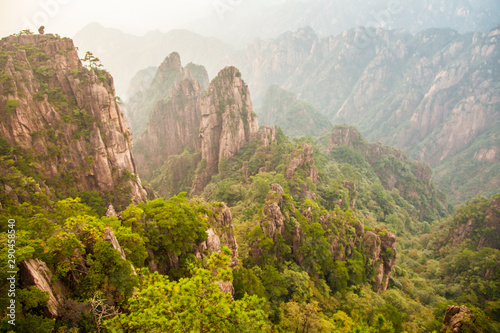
point(66, 17)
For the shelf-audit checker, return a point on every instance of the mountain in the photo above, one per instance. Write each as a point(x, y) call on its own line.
point(322, 234)
point(207, 128)
point(433, 94)
point(166, 78)
point(62, 131)
point(124, 54)
point(333, 17)
point(294, 116)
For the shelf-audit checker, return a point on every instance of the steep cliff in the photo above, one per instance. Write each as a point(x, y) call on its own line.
point(227, 122)
point(173, 126)
point(192, 131)
point(167, 78)
point(64, 119)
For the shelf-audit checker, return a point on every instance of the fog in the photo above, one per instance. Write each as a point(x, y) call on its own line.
point(67, 17)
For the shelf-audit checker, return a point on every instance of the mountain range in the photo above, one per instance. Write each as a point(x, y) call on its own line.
point(433, 94)
point(241, 228)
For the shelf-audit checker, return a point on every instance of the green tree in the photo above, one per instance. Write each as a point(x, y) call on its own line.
point(193, 304)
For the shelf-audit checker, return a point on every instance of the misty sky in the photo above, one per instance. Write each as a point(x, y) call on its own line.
point(66, 17)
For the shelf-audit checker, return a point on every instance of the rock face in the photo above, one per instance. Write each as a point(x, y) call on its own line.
point(174, 126)
point(164, 84)
point(378, 246)
point(221, 234)
point(456, 318)
point(66, 116)
point(192, 129)
point(34, 272)
point(227, 122)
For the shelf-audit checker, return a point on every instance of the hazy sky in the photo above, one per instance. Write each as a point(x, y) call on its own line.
point(66, 17)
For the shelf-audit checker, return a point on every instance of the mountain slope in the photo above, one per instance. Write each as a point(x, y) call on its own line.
point(431, 94)
point(166, 78)
point(294, 116)
point(61, 123)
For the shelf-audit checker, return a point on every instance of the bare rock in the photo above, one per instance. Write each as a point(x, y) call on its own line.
point(109, 236)
point(111, 211)
point(455, 318)
point(303, 156)
point(97, 153)
point(34, 272)
point(227, 122)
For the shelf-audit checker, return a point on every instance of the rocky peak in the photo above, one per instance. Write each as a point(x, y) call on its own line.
point(173, 126)
point(66, 116)
point(167, 79)
point(227, 122)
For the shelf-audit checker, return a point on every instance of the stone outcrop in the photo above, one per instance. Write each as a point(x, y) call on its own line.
point(302, 157)
point(456, 319)
point(173, 126)
point(163, 84)
point(378, 246)
point(65, 115)
point(221, 233)
point(227, 122)
point(34, 272)
point(267, 135)
point(110, 237)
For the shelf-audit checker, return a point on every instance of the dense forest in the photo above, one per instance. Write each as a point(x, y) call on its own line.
point(313, 234)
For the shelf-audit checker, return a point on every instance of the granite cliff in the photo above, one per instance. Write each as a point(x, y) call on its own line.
point(148, 90)
point(64, 118)
point(193, 129)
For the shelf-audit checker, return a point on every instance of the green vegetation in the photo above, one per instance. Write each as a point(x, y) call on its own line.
point(327, 235)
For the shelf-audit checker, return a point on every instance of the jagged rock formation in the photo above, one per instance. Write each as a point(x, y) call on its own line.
point(34, 272)
point(168, 77)
point(433, 94)
point(378, 246)
point(395, 170)
point(456, 319)
point(110, 237)
point(174, 126)
point(221, 233)
point(227, 122)
point(196, 130)
point(66, 118)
